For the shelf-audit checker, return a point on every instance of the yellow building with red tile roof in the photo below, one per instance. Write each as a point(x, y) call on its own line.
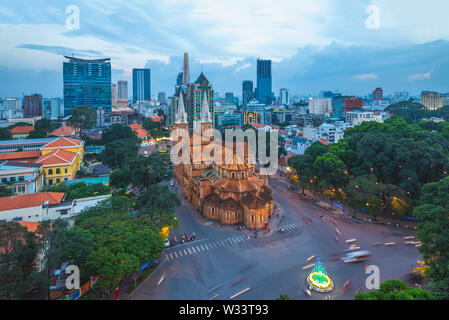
point(67, 144)
point(59, 165)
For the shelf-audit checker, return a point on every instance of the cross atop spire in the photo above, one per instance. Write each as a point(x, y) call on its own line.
point(181, 116)
point(205, 113)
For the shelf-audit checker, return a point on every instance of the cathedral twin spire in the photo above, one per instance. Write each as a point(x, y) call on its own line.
point(205, 113)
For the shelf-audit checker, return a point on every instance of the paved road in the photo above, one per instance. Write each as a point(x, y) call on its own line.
point(221, 264)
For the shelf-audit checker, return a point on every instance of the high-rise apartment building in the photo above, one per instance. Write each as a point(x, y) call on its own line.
point(32, 106)
point(195, 92)
point(51, 108)
point(141, 85)
point(247, 92)
point(320, 106)
point(264, 92)
point(122, 87)
point(432, 100)
point(88, 83)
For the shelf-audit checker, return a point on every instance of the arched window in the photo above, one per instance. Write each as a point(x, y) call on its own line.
point(50, 172)
point(233, 175)
point(212, 210)
point(58, 171)
point(243, 175)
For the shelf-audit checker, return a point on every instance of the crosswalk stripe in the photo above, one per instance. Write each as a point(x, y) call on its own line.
point(237, 239)
point(188, 249)
point(171, 256)
point(233, 240)
point(176, 255)
point(202, 248)
point(222, 243)
point(185, 251)
point(206, 246)
point(167, 257)
point(198, 248)
point(180, 254)
point(193, 250)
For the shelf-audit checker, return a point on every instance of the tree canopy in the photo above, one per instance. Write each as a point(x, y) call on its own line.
point(395, 290)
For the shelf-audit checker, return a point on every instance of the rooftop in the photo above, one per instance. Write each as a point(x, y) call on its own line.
point(63, 142)
point(22, 129)
point(30, 200)
point(59, 156)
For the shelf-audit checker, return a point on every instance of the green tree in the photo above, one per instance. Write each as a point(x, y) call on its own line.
point(159, 203)
point(120, 178)
point(5, 134)
point(117, 132)
point(395, 290)
point(82, 117)
point(433, 230)
point(121, 242)
point(116, 152)
point(80, 190)
point(19, 278)
point(5, 192)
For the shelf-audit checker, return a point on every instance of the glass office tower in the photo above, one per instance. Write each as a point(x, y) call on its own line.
point(264, 93)
point(88, 83)
point(141, 85)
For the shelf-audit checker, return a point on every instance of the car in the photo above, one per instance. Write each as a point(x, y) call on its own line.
point(356, 256)
point(172, 183)
point(167, 243)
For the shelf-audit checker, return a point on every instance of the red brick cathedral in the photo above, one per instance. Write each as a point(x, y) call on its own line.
point(230, 192)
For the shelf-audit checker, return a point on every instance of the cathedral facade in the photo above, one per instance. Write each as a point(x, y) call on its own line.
point(230, 191)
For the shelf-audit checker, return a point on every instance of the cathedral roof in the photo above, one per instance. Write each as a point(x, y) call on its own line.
point(251, 201)
point(237, 163)
point(230, 203)
point(212, 198)
point(266, 194)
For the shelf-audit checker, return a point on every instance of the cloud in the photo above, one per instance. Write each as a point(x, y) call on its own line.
point(423, 76)
point(366, 76)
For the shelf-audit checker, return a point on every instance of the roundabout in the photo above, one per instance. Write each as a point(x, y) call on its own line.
point(318, 280)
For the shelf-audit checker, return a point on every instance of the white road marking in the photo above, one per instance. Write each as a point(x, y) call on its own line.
point(167, 257)
point(185, 251)
point(206, 246)
point(188, 249)
point(180, 254)
point(222, 243)
point(176, 255)
point(171, 256)
point(193, 250)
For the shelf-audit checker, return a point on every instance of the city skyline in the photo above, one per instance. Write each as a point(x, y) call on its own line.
point(321, 52)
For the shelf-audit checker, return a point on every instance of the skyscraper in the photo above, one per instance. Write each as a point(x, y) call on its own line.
point(141, 85)
point(229, 97)
point(114, 95)
point(51, 108)
point(88, 83)
point(264, 92)
point(284, 96)
point(185, 70)
point(122, 86)
point(247, 91)
point(162, 97)
point(378, 94)
point(194, 100)
point(32, 106)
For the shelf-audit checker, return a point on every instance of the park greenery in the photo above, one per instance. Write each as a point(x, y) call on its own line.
point(395, 290)
point(155, 128)
point(378, 167)
point(433, 231)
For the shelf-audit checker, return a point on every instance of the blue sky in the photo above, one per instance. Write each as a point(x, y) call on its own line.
point(315, 45)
